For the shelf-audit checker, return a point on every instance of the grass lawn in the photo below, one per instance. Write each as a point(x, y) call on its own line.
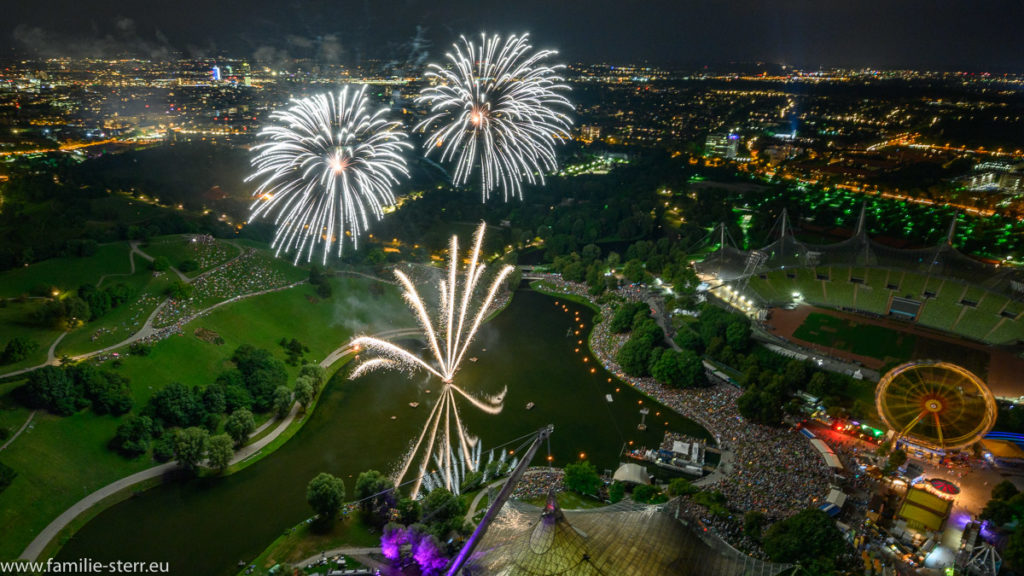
point(16, 320)
point(123, 321)
point(66, 273)
point(570, 501)
point(58, 461)
point(12, 414)
point(301, 542)
point(862, 339)
point(180, 358)
point(545, 287)
point(179, 247)
point(322, 325)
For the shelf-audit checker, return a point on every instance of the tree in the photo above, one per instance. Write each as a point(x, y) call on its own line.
point(282, 401)
point(443, 511)
point(190, 446)
point(681, 487)
point(647, 494)
point(634, 271)
point(375, 493)
point(303, 391)
point(17, 349)
point(177, 405)
point(239, 425)
point(1004, 490)
point(897, 458)
point(179, 291)
point(999, 512)
point(622, 321)
point(409, 511)
point(109, 392)
point(55, 390)
point(325, 493)
point(678, 369)
point(753, 524)
point(818, 385)
point(582, 477)
point(163, 448)
point(76, 310)
point(160, 264)
point(261, 373)
point(316, 375)
point(616, 492)
point(133, 436)
point(213, 399)
point(1013, 553)
point(714, 501)
point(634, 356)
point(220, 451)
point(689, 340)
point(737, 334)
point(809, 535)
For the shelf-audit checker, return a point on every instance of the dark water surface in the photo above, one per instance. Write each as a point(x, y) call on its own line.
point(205, 526)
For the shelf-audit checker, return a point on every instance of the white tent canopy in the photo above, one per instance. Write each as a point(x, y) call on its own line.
point(633, 473)
point(830, 457)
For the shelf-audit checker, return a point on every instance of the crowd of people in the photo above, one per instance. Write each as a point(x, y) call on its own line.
point(203, 249)
point(249, 273)
point(728, 528)
point(771, 469)
point(538, 481)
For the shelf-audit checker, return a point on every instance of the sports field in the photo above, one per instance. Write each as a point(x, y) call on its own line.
point(861, 339)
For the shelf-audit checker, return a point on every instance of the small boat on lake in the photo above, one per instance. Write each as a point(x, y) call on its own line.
point(530, 405)
point(414, 404)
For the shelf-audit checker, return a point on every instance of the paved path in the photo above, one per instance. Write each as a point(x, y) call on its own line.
point(480, 496)
point(131, 261)
point(657, 303)
point(40, 542)
point(346, 551)
point(20, 430)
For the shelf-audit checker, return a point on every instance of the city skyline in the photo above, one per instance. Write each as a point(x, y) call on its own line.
point(807, 35)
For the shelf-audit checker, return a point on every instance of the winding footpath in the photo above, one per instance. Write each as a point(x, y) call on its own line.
point(20, 430)
point(43, 539)
point(148, 329)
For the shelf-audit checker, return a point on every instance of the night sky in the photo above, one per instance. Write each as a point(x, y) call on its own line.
point(936, 34)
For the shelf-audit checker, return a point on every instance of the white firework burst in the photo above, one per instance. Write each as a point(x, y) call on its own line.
point(449, 333)
point(326, 167)
point(497, 105)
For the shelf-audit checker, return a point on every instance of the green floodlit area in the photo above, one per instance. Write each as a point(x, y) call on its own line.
point(387, 290)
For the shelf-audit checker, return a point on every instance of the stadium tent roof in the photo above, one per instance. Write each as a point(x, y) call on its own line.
point(633, 473)
point(624, 539)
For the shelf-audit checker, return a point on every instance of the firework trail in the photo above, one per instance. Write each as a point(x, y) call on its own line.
point(327, 166)
point(498, 106)
point(449, 333)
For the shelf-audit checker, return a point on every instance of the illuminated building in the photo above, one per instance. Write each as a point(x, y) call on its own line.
point(722, 145)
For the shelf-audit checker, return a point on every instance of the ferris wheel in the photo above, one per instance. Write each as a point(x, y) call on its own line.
point(935, 404)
